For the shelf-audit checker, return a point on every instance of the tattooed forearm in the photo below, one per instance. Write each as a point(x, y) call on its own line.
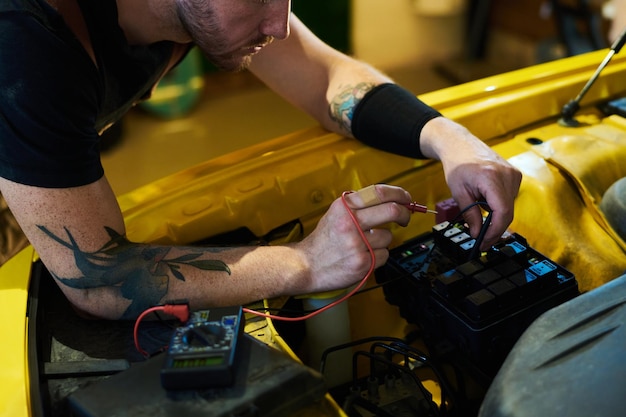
point(140, 272)
point(342, 107)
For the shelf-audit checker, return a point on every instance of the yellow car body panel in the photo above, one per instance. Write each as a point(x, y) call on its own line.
point(278, 189)
point(14, 277)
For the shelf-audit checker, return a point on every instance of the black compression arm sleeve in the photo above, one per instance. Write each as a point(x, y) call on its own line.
point(391, 119)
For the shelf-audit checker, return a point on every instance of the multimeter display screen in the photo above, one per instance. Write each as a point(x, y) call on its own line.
point(198, 362)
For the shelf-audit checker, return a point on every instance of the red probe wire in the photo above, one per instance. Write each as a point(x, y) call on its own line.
point(180, 311)
point(413, 207)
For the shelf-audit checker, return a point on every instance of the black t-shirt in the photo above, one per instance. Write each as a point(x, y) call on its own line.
point(54, 100)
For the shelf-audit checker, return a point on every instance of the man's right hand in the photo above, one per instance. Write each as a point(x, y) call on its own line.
point(336, 252)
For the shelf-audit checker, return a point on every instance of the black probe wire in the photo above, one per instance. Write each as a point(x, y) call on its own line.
point(483, 229)
point(481, 236)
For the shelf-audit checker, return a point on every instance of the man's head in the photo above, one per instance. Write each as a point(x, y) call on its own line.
point(229, 32)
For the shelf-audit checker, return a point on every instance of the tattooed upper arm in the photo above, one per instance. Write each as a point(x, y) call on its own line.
point(342, 106)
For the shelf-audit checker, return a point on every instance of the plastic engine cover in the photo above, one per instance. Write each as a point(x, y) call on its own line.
point(570, 362)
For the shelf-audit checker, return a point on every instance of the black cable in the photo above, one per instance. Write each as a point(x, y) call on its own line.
point(353, 343)
point(395, 348)
point(465, 209)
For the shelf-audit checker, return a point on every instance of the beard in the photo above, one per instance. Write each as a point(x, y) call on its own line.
point(200, 22)
point(235, 61)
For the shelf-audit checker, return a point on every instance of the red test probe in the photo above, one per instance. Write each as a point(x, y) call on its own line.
point(418, 208)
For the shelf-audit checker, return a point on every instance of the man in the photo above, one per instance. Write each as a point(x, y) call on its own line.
point(70, 68)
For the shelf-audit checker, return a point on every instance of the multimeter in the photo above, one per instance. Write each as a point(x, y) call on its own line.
point(201, 353)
